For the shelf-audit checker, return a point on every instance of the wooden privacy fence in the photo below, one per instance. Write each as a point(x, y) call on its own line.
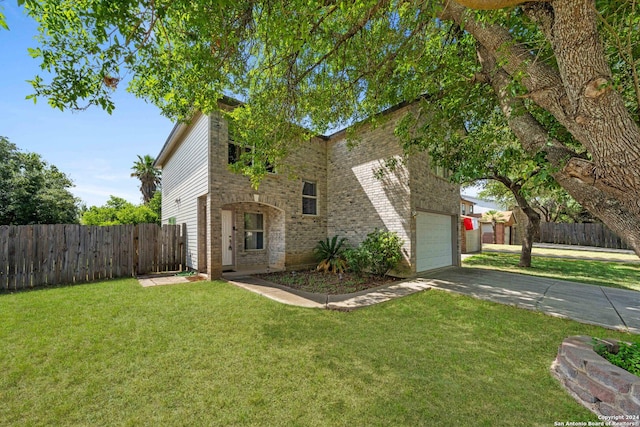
point(585, 234)
point(37, 255)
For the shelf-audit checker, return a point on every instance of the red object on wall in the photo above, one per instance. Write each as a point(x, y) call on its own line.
point(468, 224)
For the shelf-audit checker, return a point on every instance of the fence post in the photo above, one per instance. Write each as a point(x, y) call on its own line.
point(136, 257)
point(183, 247)
point(4, 257)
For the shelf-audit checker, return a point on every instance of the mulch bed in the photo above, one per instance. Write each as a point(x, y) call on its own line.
point(326, 283)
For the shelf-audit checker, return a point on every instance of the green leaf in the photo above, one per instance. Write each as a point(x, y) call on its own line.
point(34, 53)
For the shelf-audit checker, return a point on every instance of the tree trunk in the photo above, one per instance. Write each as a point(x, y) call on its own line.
point(580, 97)
point(532, 229)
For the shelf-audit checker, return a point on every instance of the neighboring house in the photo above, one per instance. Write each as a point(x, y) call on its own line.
point(466, 207)
point(481, 206)
point(505, 229)
point(470, 234)
point(339, 190)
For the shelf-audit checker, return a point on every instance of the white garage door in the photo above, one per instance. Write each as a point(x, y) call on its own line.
point(433, 241)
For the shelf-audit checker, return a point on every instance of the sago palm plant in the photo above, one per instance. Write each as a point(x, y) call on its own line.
point(329, 254)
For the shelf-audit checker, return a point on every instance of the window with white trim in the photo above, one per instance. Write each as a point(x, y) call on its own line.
point(253, 231)
point(309, 198)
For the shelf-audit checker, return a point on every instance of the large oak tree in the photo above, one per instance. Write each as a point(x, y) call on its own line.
point(564, 72)
point(33, 191)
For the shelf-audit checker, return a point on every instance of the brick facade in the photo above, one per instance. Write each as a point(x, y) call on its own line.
point(279, 198)
point(356, 193)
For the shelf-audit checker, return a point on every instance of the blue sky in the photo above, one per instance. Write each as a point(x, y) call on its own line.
point(95, 149)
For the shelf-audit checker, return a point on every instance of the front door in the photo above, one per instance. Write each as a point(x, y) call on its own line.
point(228, 240)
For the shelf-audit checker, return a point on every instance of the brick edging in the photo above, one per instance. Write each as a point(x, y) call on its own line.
point(600, 386)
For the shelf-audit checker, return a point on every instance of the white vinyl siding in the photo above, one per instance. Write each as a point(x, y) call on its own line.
point(184, 179)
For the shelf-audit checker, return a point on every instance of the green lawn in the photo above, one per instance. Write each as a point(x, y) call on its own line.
point(203, 353)
point(609, 274)
point(551, 252)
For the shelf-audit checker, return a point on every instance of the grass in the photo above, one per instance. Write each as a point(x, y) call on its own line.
point(609, 274)
point(571, 253)
point(207, 353)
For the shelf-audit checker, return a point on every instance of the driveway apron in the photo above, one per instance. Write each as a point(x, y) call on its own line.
point(607, 307)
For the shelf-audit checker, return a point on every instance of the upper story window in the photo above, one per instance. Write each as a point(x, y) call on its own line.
point(236, 149)
point(234, 152)
point(463, 209)
point(309, 198)
point(253, 231)
point(441, 172)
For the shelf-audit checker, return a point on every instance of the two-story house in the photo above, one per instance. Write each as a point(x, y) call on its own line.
point(338, 190)
point(466, 207)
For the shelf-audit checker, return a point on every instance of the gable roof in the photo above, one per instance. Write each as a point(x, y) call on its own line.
point(179, 128)
point(508, 218)
point(465, 200)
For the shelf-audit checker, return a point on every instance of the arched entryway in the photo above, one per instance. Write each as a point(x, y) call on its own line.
point(253, 237)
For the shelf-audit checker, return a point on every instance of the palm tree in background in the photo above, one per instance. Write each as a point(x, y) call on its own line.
point(494, 217)
point(149, 176)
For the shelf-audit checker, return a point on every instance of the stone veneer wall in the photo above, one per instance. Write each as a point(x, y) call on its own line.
point(605, 389)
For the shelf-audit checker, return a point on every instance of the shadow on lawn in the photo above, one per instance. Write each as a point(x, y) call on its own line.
point(411, 358)
point(601, 273)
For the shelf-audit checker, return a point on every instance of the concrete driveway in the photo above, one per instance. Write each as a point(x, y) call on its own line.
point(608, 307)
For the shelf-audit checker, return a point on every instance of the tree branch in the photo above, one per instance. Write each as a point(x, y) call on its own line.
point(541, 80)
point(343, 38)
point(573, 172)
point(493, 4)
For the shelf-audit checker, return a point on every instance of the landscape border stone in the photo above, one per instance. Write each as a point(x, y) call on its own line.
point(605, 389)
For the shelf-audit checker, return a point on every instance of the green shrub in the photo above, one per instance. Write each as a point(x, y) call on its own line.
point(627, 357)
point(379, 253)
point(385, 248)
point(358, 260)
point(119, 211)
point(329, 254)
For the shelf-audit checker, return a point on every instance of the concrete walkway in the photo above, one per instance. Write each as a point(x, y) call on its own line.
point(608, 307)
point(162, 279)
point(335, 302)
